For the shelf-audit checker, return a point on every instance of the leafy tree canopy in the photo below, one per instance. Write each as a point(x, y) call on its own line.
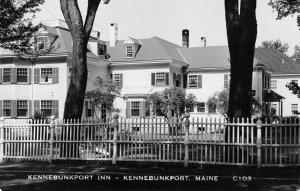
point(171, 99)
point(16, 25)
point(277, 44)
point(285, 8)
point(296, 54)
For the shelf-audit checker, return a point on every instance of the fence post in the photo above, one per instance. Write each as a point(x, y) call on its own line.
point(1, 139)
point(115, 126)
point(186, 140)
point(52, 122)
point(258, 141)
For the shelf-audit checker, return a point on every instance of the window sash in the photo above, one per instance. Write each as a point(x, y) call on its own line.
point(22, 75)
point(201, 108)
point(7, 75)
point(46, 75)
point(193, 81)
point(22, 108)
point(129, 51)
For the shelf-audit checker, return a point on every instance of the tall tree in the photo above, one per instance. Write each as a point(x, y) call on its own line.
point(16, 28)
point(80, 32)
point(296, 54)
point(241, 33)
point(285, 8)
point(277, 44)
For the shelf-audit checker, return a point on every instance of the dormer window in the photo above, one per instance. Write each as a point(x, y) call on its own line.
point(129, 51)
point(42, 43)
point(101, 49)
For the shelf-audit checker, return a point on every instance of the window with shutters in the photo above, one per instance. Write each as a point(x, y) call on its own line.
point(201, 107)
point(46, 75)
point(46, 107)
point(135, 108)
point(22, 75)
point(22, 108)
point(7, 108)
point(195, 81)
point(7, 73)
point(129, 51)
point(160, 79)
point(42, 43)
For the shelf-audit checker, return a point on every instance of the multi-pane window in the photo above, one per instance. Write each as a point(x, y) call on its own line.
point(129, 51)
point(43, 43)
point(226, 81)
point(201, 107)
point(101, 49)
point(22, 108)
point(193, 81)
point(117, 78)
point(135, 108)
point(22, 75)
point(7, 108)
point(46, 107)
point(294, 108)
point(46, 75)
point(88, 109)
point(160, 79)
point(7, 75)
point(273, 84)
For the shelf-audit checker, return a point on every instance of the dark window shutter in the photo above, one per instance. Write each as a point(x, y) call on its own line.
point(121, 80)
point(184, 80)
point(105, 50)
point(37, 106)
point(179, 79)
point(55, 75)
point(1, 109)
point(111, 76)
point(14, 108)
point(128, 109)
point(174, 79)
point(153, 79)
point(30, 108)
point(143, 109)
point(0, 75)
point(29, 75)
point(13, 75)
point(167, 78)
point(37, 75)
point(55, 108)
point(199, 81)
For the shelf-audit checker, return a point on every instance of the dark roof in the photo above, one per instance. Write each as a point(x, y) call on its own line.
point(151, 49)
point(218, 57)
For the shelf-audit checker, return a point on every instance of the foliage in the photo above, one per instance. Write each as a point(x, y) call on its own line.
point(220, 101)
point(294, 88)
point(171, 99)
point(277, 44)
point(285, 8)
point(16, 26)
point(105, 93)
point(296, 54)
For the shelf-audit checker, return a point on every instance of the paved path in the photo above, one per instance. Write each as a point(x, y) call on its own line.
point(36, 175)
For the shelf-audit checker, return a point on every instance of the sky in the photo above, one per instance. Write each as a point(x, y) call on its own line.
point(166, 18)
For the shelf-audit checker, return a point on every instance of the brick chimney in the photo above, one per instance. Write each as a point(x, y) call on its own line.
point(185, 38)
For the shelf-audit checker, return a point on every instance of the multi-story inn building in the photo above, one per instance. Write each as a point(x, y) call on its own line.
point(142, 66)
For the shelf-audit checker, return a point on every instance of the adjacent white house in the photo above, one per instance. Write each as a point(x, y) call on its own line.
point(142, 67)
point(40, 86)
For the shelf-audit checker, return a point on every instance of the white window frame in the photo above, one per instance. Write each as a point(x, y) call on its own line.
point(294, 107)
point(117, 77)
point(273, 85)
point(10, 75)
point(7, 106)
point(135, 105)
point(27, 75)
point(129, 51)
point(46, 105)
point(161, 78)
point(22, 105)
point(48, 77)
point(199, 108)
point(193, 77)
point(43, 41)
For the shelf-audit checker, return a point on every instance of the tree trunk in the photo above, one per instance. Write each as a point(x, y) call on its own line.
point(80, 35)
point(241, 34)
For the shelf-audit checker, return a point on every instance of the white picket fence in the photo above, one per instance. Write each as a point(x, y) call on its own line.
point(198, 141)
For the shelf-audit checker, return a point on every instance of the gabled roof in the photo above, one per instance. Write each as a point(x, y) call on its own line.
point(151, 49)
point(216, 57)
